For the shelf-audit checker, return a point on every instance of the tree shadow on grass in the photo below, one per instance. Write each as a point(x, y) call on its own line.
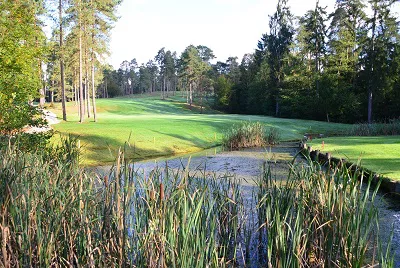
point(100, 150)
point(153, 106)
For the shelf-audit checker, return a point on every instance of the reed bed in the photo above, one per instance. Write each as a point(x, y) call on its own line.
point(376, 129)
point(320, 217)
point(54, 214)
point(249, 134)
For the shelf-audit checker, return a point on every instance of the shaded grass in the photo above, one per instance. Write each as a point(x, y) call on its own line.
point(165, 127)
point(379, 154)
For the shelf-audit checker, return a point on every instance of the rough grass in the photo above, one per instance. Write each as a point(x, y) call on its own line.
point(156, 127)
point(379, 154)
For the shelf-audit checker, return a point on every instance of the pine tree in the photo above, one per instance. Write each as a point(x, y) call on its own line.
point(278, 43)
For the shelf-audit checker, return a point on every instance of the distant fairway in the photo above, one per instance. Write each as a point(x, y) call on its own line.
point(156, 127)
point(380, 154)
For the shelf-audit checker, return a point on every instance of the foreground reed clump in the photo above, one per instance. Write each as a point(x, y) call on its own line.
point(55, 214)
point(320, 218)
point(249, 134)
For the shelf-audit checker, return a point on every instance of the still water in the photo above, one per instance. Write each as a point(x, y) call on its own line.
point(246, 165)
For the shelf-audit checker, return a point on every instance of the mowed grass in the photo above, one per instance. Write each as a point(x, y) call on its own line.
point(156, 128)
point(380, 154)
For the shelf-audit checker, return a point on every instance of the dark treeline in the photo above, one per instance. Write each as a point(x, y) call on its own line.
point(342, 67)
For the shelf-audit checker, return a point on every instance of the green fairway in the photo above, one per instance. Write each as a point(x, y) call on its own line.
point(380, 154)
point(156, 127)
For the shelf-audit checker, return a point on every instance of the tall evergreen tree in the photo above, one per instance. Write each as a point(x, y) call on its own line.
point(379, 51)
point(278, 43)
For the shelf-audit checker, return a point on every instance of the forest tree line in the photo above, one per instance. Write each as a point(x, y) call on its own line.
point(343, 67)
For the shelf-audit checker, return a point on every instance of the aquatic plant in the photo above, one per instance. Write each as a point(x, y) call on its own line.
point(376, 129)
point(249, 134)
point(55, 214)
point(319, 217)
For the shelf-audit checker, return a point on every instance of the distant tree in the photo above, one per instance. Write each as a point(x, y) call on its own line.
point(223, 90)
point(194, 66)
point(145, 79)
point(314, 39)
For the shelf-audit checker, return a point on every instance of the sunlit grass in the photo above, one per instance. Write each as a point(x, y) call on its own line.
point(379, 154)
point(156, 127)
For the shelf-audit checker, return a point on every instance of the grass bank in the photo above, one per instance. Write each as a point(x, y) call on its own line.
point(157, 128)
point(379, 154)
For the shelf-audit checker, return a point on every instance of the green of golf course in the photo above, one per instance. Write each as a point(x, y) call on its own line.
point(148, 127)
point(380, 154)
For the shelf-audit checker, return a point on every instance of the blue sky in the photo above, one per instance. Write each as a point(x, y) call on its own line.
point(228, 27)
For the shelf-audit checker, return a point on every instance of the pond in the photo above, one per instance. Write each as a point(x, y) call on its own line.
point(246, 165)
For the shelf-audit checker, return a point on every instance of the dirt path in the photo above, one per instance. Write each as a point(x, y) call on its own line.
point(51, 119)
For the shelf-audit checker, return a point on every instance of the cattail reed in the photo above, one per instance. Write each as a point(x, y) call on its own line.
point(55, 214)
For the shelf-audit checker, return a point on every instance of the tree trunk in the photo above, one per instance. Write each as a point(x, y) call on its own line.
point(372, 76)
point(163, 88)
point(370, 106)
point(190, 95)
point(42, 100)
point(81, 100)
point(94, 95)
point(277, 107)
point(87, 87)
point(201, 103)
point(105, 88)
point(64, 110)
